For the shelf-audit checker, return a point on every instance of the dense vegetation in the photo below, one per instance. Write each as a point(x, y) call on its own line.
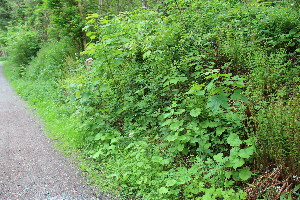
point(184, 99)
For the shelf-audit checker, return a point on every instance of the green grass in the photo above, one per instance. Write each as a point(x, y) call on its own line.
point(3, 59)
point(60, 127)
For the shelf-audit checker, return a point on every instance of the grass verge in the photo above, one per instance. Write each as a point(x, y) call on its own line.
point(60, 127)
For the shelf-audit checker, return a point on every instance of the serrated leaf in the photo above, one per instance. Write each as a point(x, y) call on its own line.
point(167, 122)
point(237, 95)
point(171, 182)
point(165, 162)
point(293, 31)
point(176, 124)
point(157, 159)
point(234, 140)
point(98, 136)
point(163, 190)
point(215, 101)
point(218, 157)
point(245, 173)
point(180, 147)
point(238, 162)
point(103, 87)
point(220, 130)
point(171, 138)
point(245, 153)
point(197, 90)
point(195, 112)
point(96, 155)
point(235, 162)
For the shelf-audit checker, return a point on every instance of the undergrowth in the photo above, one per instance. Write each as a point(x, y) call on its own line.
point(194, 100)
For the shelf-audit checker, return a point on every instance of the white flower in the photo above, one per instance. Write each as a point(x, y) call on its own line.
point(131, 134)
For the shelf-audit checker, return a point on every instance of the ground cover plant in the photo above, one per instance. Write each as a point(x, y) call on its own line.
point(190, 100)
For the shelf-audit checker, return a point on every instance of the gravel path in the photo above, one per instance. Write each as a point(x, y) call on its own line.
point(30, 168)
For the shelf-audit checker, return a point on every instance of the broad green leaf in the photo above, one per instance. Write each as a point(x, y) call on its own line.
point(157, 159)
point(218, 157)
point(163, 190)
point(245, 173)
point(197, 90)
point(94, 15)
point(171, 138)
point(180, 147)
point(108, 41)
point(118, 62)
point(235, 162)
point(165, 162)
point(167, 122)
point(116, 52)
point(175, 80)
point(215, 101)
point(103, 87)
point(237, 95)
point(179, 111)
point(98, 136)
point(96, 155)
point(234, 152)
point(220, 130)
point(234, 140)
point(195, 112)
point(293, 31)
point(238, 162)
point(246, 153)
point(176, 124)
point(171, 182)
point(197, 87)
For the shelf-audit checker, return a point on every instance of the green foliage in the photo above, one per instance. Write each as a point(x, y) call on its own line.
point(51, 61)
point(22, 46)
point(278, 133)
point(4, 14)
point(178, 102)
point(165, 121)
point(66, 20)
point(176, 93)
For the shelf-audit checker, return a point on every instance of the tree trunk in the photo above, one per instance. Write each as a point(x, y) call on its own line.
point(82, 15)
point(100, 5)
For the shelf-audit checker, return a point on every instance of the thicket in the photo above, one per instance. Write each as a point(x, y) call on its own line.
point(192, 100)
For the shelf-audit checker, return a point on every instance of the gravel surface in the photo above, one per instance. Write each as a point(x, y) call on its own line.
point(30, 168)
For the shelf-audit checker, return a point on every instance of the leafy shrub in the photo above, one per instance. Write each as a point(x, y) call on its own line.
point(175, 94)
point(162, 126)
point(50, 63)
point(166, 104)
point(22, 46)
